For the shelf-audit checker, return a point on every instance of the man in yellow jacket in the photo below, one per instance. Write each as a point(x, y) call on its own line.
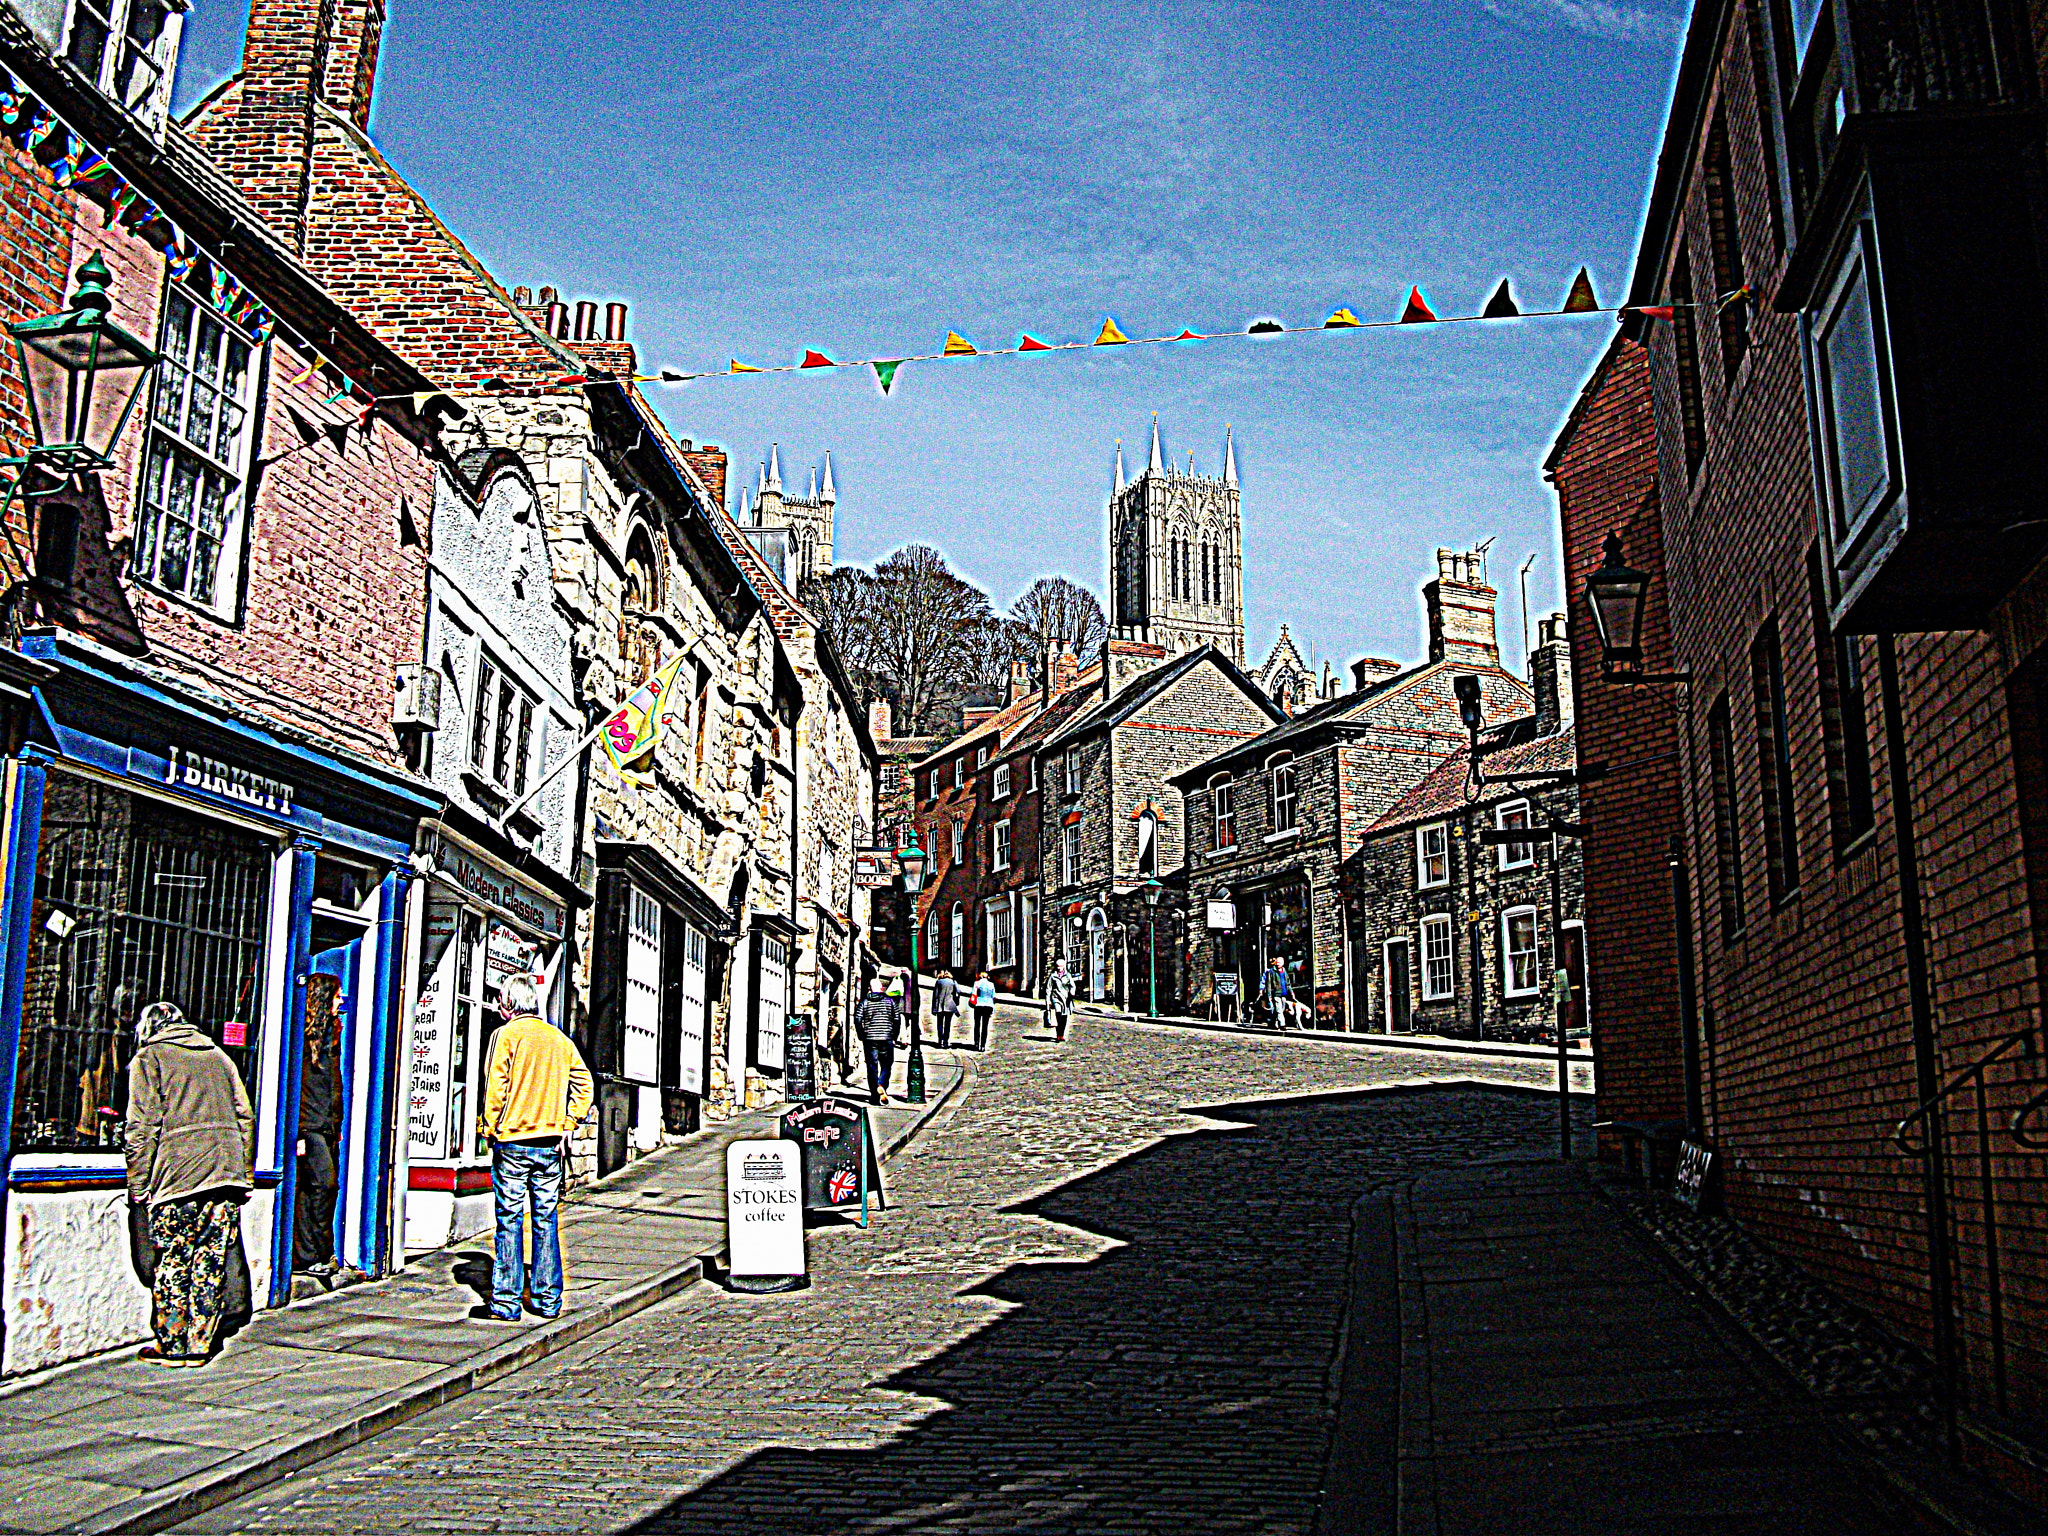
point(536, 1090)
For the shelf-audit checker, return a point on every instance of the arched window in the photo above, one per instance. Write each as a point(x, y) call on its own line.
point(643, 573)
point(1281, 770)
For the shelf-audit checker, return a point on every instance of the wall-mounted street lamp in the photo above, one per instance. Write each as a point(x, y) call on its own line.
point(84, 374)
point(1617, 594)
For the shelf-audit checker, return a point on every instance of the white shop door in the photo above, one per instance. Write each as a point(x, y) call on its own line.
point(642, 1056)
point(773, 1003)
point(696, 962)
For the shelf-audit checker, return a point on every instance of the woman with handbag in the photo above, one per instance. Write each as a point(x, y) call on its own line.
point(190, 1130)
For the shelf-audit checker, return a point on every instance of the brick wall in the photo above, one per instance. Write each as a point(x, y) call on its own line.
point(1605, 471)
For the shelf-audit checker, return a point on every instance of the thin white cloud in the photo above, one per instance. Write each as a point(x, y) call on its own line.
point(1589, 18)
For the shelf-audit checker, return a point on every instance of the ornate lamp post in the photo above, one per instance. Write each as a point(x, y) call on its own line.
point(1152, 888)
point(912, 859)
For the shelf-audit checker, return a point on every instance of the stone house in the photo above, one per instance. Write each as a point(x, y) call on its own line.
point(1109, 822)
point(1273, 820)
point(699, 847)
point(212, 801)
point(1450, 937)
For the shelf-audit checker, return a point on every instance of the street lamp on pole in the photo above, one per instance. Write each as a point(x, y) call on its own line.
point(912, 859)
point(1152, 889)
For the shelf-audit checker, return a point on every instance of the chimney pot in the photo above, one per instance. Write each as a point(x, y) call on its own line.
point(879, 723)
point(523, 297)
point(586, 320)
point(557, 321)
point(615, 322)
point(548, 294)
point(1461, 612)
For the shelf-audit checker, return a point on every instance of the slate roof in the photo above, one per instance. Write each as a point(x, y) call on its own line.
point(1118, 708)
point(1443, 792)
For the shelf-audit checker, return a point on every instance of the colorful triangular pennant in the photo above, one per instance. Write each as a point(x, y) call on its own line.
point(1502, 305)
point(1109, 335)
point(1265, 328)
point(959, 346)
point(1580, 300)
point(1657, 311)
point(886, 373)
point(1342, 320)
point(1031, 344)
point(816, 359)
point(736, 366)
point(1417, 311)
point(1187, 336)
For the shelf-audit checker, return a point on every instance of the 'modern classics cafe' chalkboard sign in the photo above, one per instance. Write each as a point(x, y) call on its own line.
point(800, 1058)
point(1692, 1179)
point(840, 1167)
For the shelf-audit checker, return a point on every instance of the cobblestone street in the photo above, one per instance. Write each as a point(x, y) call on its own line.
point(1086, 1309)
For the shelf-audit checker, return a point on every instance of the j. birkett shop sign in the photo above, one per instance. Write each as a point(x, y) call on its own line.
point(195, 770)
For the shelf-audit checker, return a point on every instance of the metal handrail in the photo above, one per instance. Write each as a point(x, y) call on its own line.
point(2032, 1107)
point(1972, 1072)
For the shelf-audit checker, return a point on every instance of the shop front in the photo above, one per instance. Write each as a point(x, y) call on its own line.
point(660, 948)
point(482, 922)
point(1274, 923)
point(160, 849)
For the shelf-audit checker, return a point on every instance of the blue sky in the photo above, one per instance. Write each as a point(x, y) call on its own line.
point(859, 177)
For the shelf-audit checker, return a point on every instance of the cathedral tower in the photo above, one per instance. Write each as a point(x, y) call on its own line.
point(808, 517)
point(1176, 561)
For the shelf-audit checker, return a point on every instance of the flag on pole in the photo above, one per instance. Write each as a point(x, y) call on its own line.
point(636, 728)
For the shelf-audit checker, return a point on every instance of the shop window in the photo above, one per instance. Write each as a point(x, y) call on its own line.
point(1223, 793)
point(1437, 977)
point(1000, 845)
point(500, 727)
point(136, 902)
point(1515, 855)
point(1518, 961)
point(1282, 770)
point(1000, 787)
point(1432, 856)
point(189, 528)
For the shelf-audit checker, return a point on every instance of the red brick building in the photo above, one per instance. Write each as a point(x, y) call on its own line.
point(1845, 532)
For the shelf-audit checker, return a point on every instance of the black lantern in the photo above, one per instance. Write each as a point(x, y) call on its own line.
point(84, 374)
point(1616, 595)
point(912, 860)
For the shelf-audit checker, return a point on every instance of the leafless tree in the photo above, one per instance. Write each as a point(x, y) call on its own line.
point(911, 630)
point(1055, 615)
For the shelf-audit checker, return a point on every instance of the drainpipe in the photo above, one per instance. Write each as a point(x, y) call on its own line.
point(1926, 1054)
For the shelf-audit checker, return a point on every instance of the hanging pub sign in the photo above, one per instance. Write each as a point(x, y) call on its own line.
point(875, 868)
point(800, 1058)
point(839, 1162)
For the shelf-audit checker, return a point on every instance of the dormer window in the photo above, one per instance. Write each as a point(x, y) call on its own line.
point(128, 49)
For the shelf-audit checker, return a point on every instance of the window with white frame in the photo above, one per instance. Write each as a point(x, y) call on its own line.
point(500, 726)
point(189, 528)
point(980, 758)
point(1000, 785)
point(127, 48)
point(935, 783)
point(1282, 770)
point(1518, 960)
point(1223, 793)
point(960, 772)
point(931, 944)
point(999, 845)
point(1034, 774)
point(1432, 856)
point(1513, 815)
point(1437, 962)
point(1002, 935)
point(1073, 770)
point(959, 838)
point(1070, 854)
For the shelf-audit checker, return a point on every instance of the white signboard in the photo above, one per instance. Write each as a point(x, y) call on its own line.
point(1222, 916)
point(431, 1050)
point(764, 1208)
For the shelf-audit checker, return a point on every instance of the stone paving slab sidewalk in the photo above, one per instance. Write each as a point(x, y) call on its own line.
point(1555, 1376)
point(114, 1444)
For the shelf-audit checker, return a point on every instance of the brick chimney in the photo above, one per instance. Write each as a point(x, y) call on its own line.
point(1460, 607)
point(880, 726)
point(1020, 682)
point(297, 53)
point(1066, 671)
point(1370, 671)
point(1550, 675)
point(709, 460)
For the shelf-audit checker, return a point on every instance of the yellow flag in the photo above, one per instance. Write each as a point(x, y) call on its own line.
point(1343, 319)
point(959, 346)
point(635, 730)
point(740, 367)
point(1109, 335)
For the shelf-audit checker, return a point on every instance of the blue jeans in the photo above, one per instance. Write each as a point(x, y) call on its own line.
point(523, 1175)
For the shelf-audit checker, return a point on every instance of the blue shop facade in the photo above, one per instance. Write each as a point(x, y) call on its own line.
point(159, 845)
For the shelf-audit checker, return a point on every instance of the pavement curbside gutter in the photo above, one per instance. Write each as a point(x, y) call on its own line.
point(162, 1508)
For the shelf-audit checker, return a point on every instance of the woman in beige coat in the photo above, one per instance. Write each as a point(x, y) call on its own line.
point(190, 1130)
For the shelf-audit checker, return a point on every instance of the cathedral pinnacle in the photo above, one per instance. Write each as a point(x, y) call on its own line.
point(1158, 466)
point(774, 480)
point(1119, 466)
point(1229, 457)
point(828, 492)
